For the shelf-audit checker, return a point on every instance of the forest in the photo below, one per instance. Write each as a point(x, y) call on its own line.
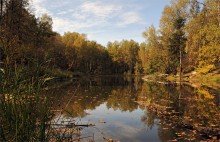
point(188, 39)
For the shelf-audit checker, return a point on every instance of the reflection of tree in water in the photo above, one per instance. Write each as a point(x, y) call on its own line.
point(118, 93)
point(183, 117)
point(204, 111)
point(149, 118)
point(122, 99)
point(85, 98)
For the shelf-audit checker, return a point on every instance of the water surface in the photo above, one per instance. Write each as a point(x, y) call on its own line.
point(112, 105)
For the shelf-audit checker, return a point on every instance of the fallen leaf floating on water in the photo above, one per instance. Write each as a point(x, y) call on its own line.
point(213, 125)
point(215, 138)
point(174, 140)
point(101, 120)
point(191, 139)
point(110, 140)
point(194, 131)
point(165, 128)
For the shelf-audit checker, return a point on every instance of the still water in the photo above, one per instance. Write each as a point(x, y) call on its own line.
point(128, 109)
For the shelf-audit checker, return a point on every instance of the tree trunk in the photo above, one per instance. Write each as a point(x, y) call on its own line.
point(180, 65)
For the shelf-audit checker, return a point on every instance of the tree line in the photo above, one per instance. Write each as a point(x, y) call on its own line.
point(188, 38)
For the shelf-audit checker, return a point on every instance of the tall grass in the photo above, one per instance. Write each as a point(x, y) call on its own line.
point(25, 113)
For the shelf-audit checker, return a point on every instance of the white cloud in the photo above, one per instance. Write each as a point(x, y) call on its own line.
point(99, 9)
point(38, 8)
point(62, 12)
point(75, 18)
point(63, 25)
point(77, 14)
point(69, 23)
point(130, 18)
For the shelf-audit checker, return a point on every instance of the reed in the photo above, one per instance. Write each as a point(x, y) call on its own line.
point(25, 113)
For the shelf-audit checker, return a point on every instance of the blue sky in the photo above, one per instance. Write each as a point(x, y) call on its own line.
point(102, 20)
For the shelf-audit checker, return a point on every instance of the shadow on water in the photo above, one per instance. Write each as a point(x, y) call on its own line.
point(129, 109)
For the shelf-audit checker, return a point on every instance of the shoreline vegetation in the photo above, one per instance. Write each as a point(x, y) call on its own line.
point(194, 79)
point(32, 55)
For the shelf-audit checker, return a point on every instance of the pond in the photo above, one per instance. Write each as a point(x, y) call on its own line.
point(128, 109)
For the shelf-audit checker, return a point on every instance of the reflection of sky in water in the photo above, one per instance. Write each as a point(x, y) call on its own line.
point(123, 126)
point(125, 120)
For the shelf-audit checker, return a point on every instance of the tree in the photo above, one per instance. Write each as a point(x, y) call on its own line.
point(128, 52)
point(203, 34)
point(177, 45)
point(75, 44)
point(193, 43)
point(18, 28)
point(209, 53)
point(154, 51)
point(142, 58)
point(113, 49)
point(44, 31)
